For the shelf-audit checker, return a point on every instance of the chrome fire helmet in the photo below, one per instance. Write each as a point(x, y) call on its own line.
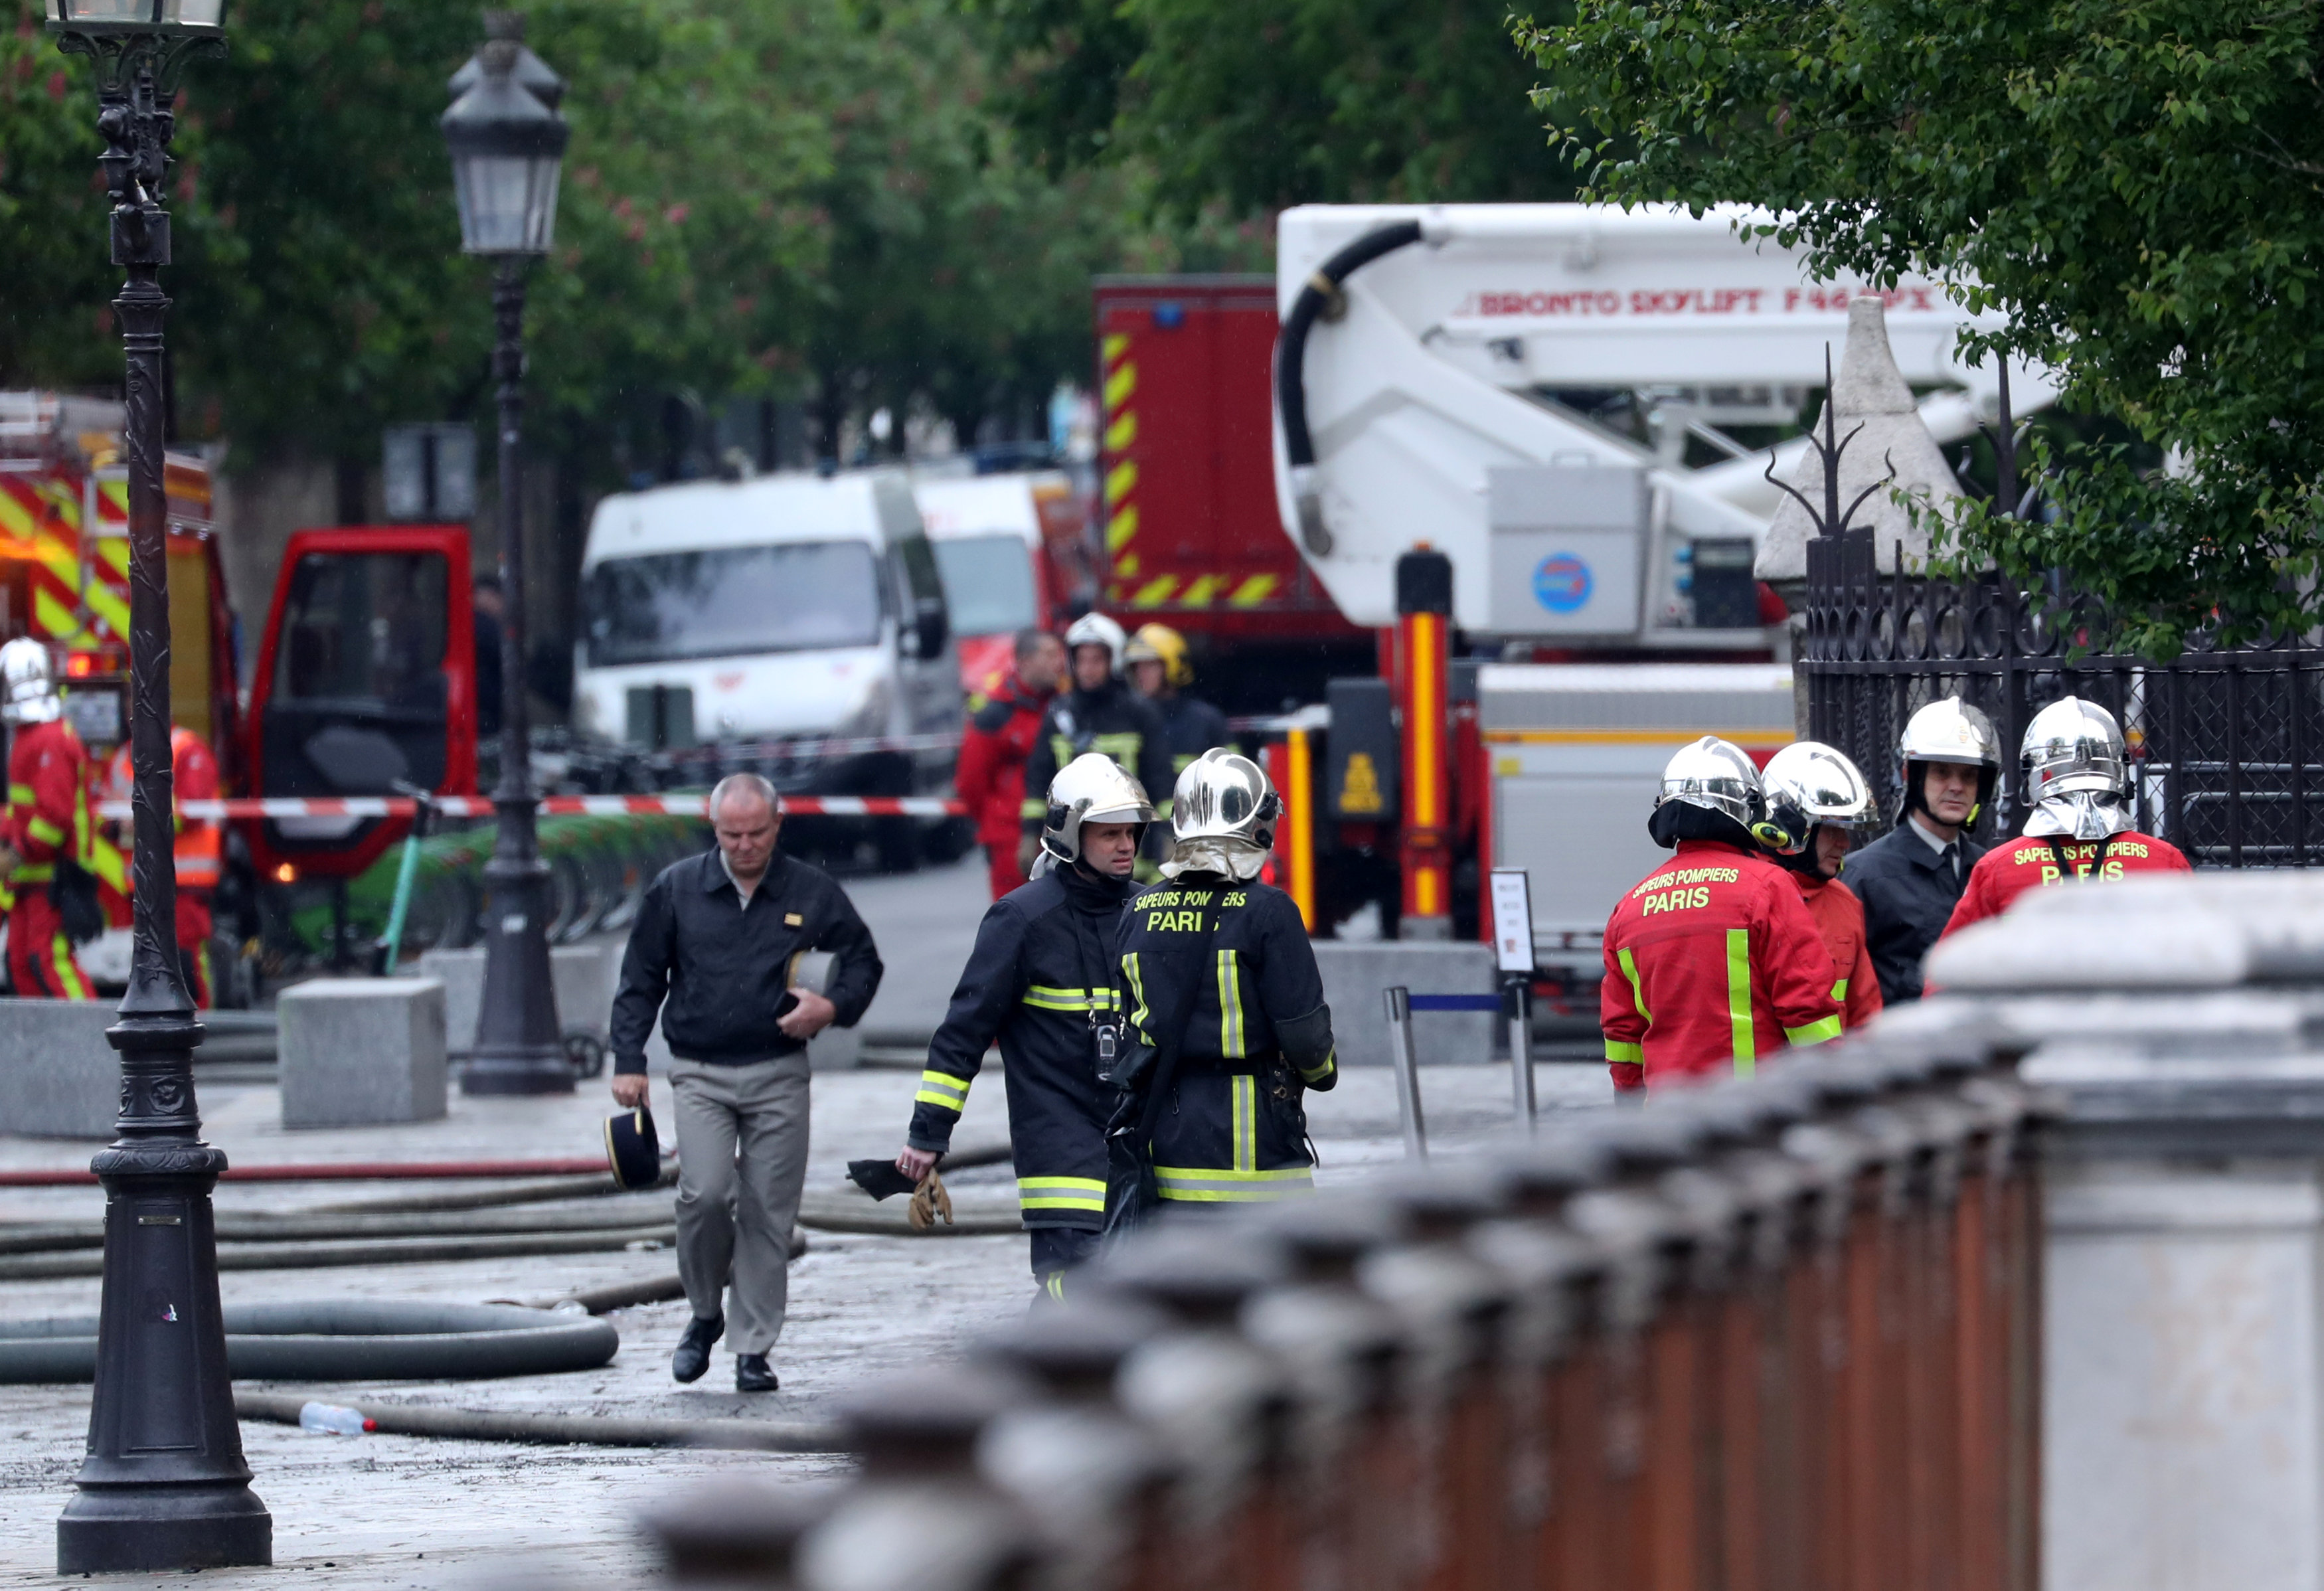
point(1095, 629)
point(1091, 789)
point(1807, 784)
point(2077, 771)
point(1717, 777)
point(1949, 730)
point(1222, 815)
point(28, 675)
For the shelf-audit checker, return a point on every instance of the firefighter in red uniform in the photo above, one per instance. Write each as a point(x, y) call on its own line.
point(1815, 797)
point(1002, 726)
point(1711, 962)
point(197, 852)
point(47, 824)
point(2076, 781)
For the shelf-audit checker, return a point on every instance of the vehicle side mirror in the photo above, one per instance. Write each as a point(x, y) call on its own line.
point(931, 631)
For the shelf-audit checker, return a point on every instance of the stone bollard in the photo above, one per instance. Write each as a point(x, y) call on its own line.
point(360, 1051)
point(724, 1532)
point(58, 1078)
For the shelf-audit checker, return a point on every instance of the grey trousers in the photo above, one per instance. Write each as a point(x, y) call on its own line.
point(742, 1159)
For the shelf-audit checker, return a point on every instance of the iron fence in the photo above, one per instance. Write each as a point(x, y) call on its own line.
point(2225, 741)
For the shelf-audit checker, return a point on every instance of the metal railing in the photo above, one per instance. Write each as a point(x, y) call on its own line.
point(1777, 1333)
point(2226, 740)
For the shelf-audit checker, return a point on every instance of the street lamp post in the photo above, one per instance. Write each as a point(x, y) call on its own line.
point(163, 1486)
point(506, 141)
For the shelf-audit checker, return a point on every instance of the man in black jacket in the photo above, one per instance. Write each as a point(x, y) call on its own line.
point(1099, 713)
point(715, 950)
point(1040, 980)
point(1161, 672)
point(1910, 878)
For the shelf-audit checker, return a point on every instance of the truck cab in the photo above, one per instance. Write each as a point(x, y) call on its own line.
point(766, 620)
point(997, 541)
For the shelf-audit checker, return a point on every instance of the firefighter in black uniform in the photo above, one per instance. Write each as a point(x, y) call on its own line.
point(1099, 712)
point(1227, 1020)
point(1040, 980)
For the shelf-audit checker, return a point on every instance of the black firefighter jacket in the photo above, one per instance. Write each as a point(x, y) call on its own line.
point(1039, 980)
point(1907, 896)
point(1118, 722)
point(1234, 958)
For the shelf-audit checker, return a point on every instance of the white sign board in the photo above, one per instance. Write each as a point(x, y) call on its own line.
point(1512, 921)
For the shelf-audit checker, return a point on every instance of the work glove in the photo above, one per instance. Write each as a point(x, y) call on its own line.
point(929, 1200)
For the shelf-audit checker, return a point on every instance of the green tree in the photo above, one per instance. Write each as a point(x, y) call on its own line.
point(1253, 104)
point(2135, 187)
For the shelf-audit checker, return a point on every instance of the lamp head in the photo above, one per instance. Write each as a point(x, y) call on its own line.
point(507, 148)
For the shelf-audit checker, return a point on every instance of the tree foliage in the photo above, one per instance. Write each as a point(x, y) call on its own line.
point(1253, 104)
point(759, 194)
point(2135, 186)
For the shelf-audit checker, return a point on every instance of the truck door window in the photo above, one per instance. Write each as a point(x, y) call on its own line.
point(365, 628)
point(731, 601)
point(988, 582)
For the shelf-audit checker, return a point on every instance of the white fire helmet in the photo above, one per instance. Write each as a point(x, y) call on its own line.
point(1807, 784)
point(28, 676)
point(1949, 730)
point(2076, 771)
point(1091, 789)
point(1095, 629)
point(1222, 815)
point(1716, 776)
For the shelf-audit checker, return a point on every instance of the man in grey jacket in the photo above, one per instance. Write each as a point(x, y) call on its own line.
point(715, 952)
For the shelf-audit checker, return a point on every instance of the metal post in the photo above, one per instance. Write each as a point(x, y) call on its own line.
point(518, 1050)
point(1407, 1071)
point(163, 1486)
point(1519, 993)
point(1424, 606)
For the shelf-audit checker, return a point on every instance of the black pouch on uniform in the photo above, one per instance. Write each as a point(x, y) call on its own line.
point(72, 891)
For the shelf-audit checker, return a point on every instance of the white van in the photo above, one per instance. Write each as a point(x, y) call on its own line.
point(753, 616)
point(996, 539)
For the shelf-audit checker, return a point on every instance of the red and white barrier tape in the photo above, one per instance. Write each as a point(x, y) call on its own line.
point(668, 806)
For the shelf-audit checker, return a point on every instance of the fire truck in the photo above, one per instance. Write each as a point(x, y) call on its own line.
point(363, 691)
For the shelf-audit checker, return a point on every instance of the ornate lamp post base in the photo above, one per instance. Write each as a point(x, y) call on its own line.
point(518, 1050)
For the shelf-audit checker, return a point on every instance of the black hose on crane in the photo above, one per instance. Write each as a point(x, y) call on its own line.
point(1321, 296)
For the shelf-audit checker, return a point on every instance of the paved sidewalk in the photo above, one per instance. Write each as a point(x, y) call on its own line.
point(395, 1512)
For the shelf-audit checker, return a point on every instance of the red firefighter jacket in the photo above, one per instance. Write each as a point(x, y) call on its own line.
point(1840, 917)
point(991, 779)
point(1713, 961)
point(2016, 866)
point(47, 799)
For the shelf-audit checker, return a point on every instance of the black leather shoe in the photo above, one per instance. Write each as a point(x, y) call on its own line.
point(752, 1375)
point(693, 1354)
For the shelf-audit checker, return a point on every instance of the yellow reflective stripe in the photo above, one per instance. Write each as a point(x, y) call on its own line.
point(943, 1088)
point(1208, 1184)
point(1246, 1121)
point(46, 832)
point(20, 795)
point(1839, 993)
point(36, 873)
point(1815, 1032)
point(1231, 1025)
point(111, 867)
point(1637, 993)
point(1626, 1054)
point(1063, 750)
point(1061, 1193)
point(1739, 1000)
point(1122, 746)
point(1033, 808)
point(1137, 992)
point(1046, 998)
point(69, 978)
point(1324, 1068)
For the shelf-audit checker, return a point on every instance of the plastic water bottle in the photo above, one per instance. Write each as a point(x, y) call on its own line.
point(331, 1420)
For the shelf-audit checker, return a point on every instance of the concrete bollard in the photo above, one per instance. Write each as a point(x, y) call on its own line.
point(58, 1078)
point(360, 1051)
